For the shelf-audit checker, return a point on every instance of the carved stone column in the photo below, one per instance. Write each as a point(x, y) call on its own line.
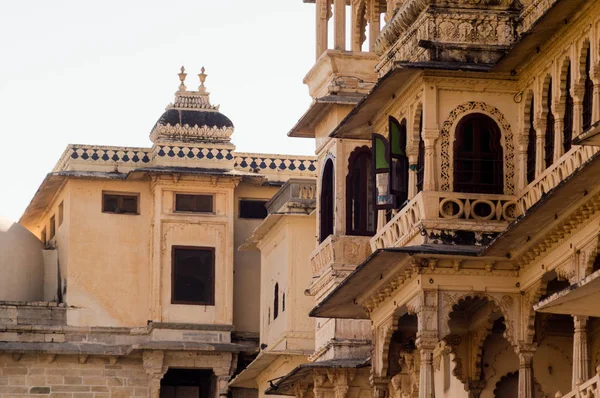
point(558, 109)
point(222, 386)
point(430, 137)
point(318, 381)
point(412, 172)
point(577, 93)
point(380, 387)
point(540, 139)
point(595, 72)
point(581, 358)
point(339, 18)
point(374, 23)
point(525, 353)
point(425, 306)
point(153, 362)
point(522, 143)
point(323, 15)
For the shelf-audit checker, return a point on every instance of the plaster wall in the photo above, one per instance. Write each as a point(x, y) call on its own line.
point(21, 263)
point(107, 274)
point(247, 271)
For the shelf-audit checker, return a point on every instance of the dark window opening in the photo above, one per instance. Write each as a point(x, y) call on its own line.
point(326, 202)
point(276, 302)
point(421, 157)
point(588, 96)
point(399, 166)
point(60, 213)
point(596, 265)
point(360, 212)
point(43, 236)
point(120, 204)
point(478, 164)
point(531, 145)
point(193, 276)
point(194, 203)
point(549, 144)
point(52, 227)
point(186, 383)
point(569, 105)
point(283, 302)
point(255, 209)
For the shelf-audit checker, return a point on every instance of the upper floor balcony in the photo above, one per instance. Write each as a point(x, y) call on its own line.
point(467, 218)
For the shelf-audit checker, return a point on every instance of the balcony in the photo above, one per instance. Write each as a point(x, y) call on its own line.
point(590, 388)
point(432, 216)
point(295, 196)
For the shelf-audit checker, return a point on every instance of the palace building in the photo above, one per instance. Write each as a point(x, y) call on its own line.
point(443, 242)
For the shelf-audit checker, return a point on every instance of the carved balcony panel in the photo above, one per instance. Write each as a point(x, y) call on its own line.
point(339, 252)
point(342, 72)
point(554, 175)
point(448, 31)
point(441, 217)
point(295, 196)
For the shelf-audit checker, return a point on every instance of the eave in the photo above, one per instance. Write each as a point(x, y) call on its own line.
point(341, 302)
point(285, 385)
point(589, 137)
point(305, 127)
point(247, 378)
point(579, 299)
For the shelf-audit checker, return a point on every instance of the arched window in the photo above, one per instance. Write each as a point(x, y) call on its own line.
point(276, 302)
point(549, 138)
point(568, 127)
point(478, 166)
point(531, 145)
point(361, 218)
point(588, 96)
point(421, 157)
point(326, 201)
point(399, 166)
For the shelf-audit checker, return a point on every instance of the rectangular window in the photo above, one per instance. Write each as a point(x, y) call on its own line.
point(60, 213)
point(43, 236)
point(194, 203)
point(120, 203)
point(193, 275)
point(253, 208)
point(52, 227)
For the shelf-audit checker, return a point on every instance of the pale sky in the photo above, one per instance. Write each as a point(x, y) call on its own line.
point(102, 72)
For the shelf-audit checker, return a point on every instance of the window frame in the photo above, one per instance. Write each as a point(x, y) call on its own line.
point(61, 211)
point(391, 203)
point(211, 302)
point(240, 200)
point(121, 194)
point(364, 154)
point(327, 200)
point(52, 227)
point(401, 196)
point(212, 196)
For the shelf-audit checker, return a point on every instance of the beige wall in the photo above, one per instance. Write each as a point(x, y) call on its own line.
point(247, 272)
point(107, 278)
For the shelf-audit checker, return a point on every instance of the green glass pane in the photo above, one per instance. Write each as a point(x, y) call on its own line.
point(380, 155)
point(395, 139)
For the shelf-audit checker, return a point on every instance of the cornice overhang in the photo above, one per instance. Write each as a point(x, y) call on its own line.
point(589, 137)
point(305, 127)
point(579, 299)
point(342, 301)
point(537, 33)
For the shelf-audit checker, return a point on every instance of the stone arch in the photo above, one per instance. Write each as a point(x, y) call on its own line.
point(416, 121)
point(562, 79)
point(385, 334)
point(447, 136)
point(506, 303)
point(585, 45)
point(544, 95)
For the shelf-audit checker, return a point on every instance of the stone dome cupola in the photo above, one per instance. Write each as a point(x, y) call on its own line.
point(191, 118)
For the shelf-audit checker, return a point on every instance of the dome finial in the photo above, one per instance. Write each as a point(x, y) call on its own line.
point(182, 76)
point(202, 77)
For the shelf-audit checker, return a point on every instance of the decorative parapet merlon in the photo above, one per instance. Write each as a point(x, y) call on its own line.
point(447, 211)
point(103, 155)
point(265, 163)
point(554, 175)
point(295, 196)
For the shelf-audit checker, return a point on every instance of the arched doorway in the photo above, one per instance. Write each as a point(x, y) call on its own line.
point(478, 156)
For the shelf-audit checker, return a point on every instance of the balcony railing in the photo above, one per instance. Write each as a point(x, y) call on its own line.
point(296, 195)
point(447, 211)
point(590, 388)
point(475, 212)
point(553, 175)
